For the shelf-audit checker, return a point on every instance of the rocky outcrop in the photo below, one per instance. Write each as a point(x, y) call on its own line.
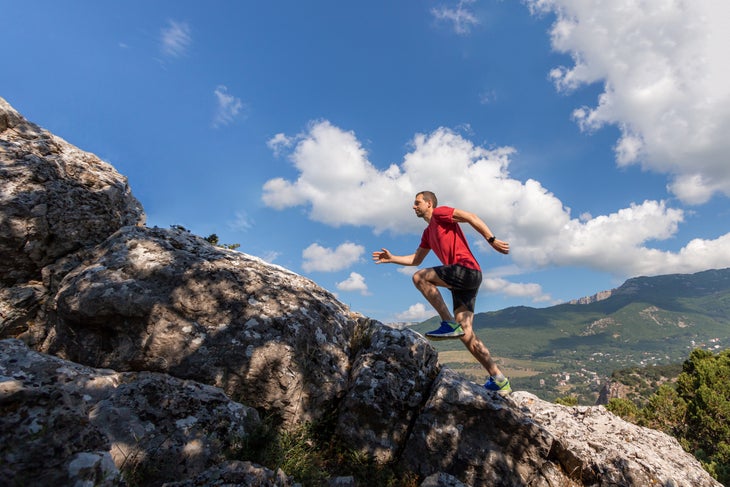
point(55, 198)
point(595, 447)
point(600, 296)
point(479, 438)
point(146, 354)
point(67, 424)
point(168, 301)
point(612, 390)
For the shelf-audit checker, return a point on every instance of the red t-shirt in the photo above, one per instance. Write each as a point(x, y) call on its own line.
point(444, 236)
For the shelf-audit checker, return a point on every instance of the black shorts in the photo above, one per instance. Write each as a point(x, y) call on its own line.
point(463, 282)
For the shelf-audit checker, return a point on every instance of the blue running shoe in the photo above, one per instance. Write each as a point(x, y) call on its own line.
point(502, 388)
point(447, 330)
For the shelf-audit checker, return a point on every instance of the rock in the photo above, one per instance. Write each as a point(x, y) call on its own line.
point(442, 480)
point(612, 390)
point(167, 301)
point(62, 423)
point(595, 447)
point(475, 435)
point(348, 481)
point(234, 474)
point(55, 198)
point(19, 305)
point(390, 381)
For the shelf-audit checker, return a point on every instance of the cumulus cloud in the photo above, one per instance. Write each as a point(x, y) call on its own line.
point(340, 186)
point(323, 259)
point(354, 283)
point(512, 289)
point(228, 107)
point(666, 83)
point(416, 312)
point(460, 16)
point(175, 39)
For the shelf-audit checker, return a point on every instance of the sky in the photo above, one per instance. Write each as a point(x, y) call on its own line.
point(592, 135)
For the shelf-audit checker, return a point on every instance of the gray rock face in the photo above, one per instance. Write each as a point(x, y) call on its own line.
point(181, 340)
point(390, 380)
point(236, 473)
point(55, 198)
point(595, 447)
point(477, 436)
point(168, 301)
point(64, 423)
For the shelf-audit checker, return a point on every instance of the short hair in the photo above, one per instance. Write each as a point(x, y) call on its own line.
point(429, 196)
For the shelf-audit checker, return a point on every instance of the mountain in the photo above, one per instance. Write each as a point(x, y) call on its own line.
point(573, 348)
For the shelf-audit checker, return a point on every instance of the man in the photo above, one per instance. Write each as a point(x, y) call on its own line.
point(460, 273)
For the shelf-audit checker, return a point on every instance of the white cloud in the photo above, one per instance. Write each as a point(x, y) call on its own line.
point(511, 289)
point(487, 96)
point(176, 39)
point(270, 256)
point(318, 258)
point(407, 270)
point(341, 187)
point(416, 312)
point(228, 107)
point(279, 143)
point(666, 83)
point(241, 222)
point(354, 283)
point(459, 16)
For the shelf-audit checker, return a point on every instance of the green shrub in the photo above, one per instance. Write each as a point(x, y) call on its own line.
point(623, 408)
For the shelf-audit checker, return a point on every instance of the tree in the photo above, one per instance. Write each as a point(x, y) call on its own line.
point(567, 401)
point(213, 239)
point(624, 408)
point(704, 385)
point(696, 411)
point(665, 411)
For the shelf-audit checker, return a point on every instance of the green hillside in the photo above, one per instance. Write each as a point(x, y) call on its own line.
point(571, 349)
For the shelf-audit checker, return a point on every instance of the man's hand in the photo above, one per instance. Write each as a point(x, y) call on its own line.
point(382, 257)
point(500, 246)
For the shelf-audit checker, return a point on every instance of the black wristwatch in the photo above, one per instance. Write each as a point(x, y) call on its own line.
point(491, 239)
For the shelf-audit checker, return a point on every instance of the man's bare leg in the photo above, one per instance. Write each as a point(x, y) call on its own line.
point(427, 281)
point(474, 344)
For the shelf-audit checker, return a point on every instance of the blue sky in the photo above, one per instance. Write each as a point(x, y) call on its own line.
point(591, 135)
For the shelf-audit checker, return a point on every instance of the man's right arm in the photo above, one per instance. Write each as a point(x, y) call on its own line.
point(385, 257)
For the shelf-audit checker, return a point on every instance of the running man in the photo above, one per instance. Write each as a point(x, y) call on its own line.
point(460, 273)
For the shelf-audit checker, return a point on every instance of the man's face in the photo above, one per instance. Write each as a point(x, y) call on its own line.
point(420, 206)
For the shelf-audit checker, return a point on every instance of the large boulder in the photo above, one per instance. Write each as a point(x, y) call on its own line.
point(165, 300)
point(596, 447)
point(390, 380)
point(55, 198)
point(478, 437)
point(62, 423)
point(484, 439)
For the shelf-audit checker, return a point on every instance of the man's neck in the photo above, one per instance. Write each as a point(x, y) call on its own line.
point(427, 215)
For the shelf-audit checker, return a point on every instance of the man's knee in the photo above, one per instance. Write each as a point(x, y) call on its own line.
point(419, 277)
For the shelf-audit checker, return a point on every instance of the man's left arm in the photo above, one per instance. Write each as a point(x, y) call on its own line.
point(478, 224)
